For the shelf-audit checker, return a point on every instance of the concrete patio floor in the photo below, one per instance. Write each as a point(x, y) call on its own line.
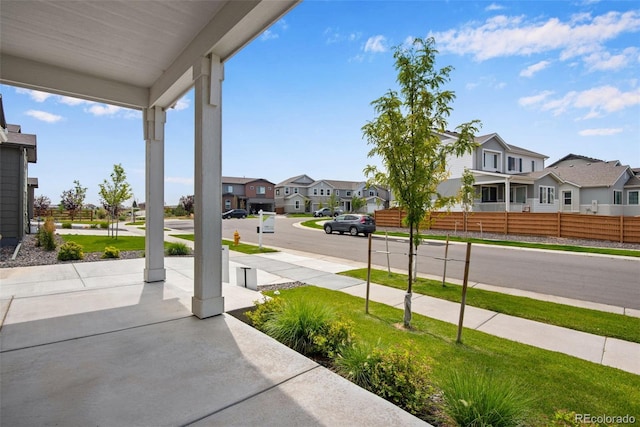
point(92, 344)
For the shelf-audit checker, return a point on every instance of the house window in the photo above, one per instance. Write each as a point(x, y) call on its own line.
point(491, 160)
point(322, 191)
point(547, 195)
point(633, 197)
point(511, 163)
point(533, 166)
point(328, 191)
point(286, 191)
point(261, 189)
point(227, 204)
point(566, 198)
point(277, 191)
point(371, 193)
point(297, 205)
point(229, 188)
point(315, 191)
point(519, 165)
point(348, 193)
point(295, 190)
point(617, 197)
point(489, 194)
point(337, 192)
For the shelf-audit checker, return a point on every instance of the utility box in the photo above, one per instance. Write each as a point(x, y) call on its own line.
point(247, 277)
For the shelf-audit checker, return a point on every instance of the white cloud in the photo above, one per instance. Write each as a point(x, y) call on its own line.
point(179, 180)
point(532, 69)
point(182, 104)
point(600, 132)
point(493, 6)
point(272, 33)
point(44, 116)
point(534, 99)
point(269, 35)
point(501, 36)
point(35, 95)
point(334, 35)
point(376, 44)
point(599, 101)
point(103, 110)
point(605, 61)
point(67, 100)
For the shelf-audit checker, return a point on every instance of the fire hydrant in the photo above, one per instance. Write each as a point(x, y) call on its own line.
point(236, 237)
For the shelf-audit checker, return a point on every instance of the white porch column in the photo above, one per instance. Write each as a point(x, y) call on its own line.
point(507, 196)
point(207, 300)
point(154, 119)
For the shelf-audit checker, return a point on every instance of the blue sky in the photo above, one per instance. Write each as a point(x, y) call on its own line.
point(555, 77)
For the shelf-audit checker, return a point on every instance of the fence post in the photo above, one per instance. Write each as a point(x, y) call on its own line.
point(559, 226)
point(621, 229)
point(506, 222)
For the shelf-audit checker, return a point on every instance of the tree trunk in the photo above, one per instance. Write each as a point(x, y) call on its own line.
point(407, 297)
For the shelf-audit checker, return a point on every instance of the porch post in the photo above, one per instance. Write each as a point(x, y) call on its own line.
point(507, 195)
point(207, 300)
point(154, 119)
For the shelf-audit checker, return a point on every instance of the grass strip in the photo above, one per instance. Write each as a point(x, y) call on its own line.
point(552, 380)
point(577, 318)
point(97, 243)
point(532, 245)
point(245, 248)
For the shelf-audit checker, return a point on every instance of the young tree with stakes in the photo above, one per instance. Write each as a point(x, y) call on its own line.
point(113, 193)
point(406, 136)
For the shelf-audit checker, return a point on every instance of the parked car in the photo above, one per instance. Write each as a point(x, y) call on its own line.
point(235, 213)
point(351, 223)
point(327, 212)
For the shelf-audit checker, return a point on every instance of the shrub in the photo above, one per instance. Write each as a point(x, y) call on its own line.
point(178, 249)
point(264, 311)
point(391, 374)
point(70, 251)
point(104, 225)
point(94, 225)
point(101, 213)
point(309, 328)
point(179, 211)
point(111, 252)
point(66, 225)
point(475, 399)
point(46, 235)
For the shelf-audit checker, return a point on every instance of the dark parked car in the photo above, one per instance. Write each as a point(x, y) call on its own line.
point(351, 223)
point(235, 213)
point(327, 212)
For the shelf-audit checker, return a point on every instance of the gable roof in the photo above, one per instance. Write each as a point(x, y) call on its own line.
point(508, 147)
point(300, 180)
point(569, 157)
point(598, 174)
point(340, 185)
point(243, 180)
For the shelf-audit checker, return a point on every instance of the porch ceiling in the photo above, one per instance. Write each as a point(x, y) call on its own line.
point(134, 54)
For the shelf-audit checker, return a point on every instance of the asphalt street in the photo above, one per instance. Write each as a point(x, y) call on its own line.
point(596, 278)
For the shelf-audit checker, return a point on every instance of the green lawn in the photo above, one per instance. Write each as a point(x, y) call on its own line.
point(581, 319)
point(241, 247)
point(92, 243)
point(552, 380)
point(553, 247)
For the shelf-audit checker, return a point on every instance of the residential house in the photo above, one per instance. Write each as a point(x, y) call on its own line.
point(17, 150)
point(513, 179)
point(501, 174)
point(591, 186)
point(304, 194)
point(252, 194)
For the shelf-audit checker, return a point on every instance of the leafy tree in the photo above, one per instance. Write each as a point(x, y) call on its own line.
point(113, 193)
point(41, 205)
point(357, 203)
point(73, 199)
point(467, 194)
point(405, 135)
point(332, 202)
point(187, 203)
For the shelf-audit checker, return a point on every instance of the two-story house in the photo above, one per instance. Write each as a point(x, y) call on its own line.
point(252, 194)
point(17, 150)
point(513, 179)
point(501, 172)
point(304, 194)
